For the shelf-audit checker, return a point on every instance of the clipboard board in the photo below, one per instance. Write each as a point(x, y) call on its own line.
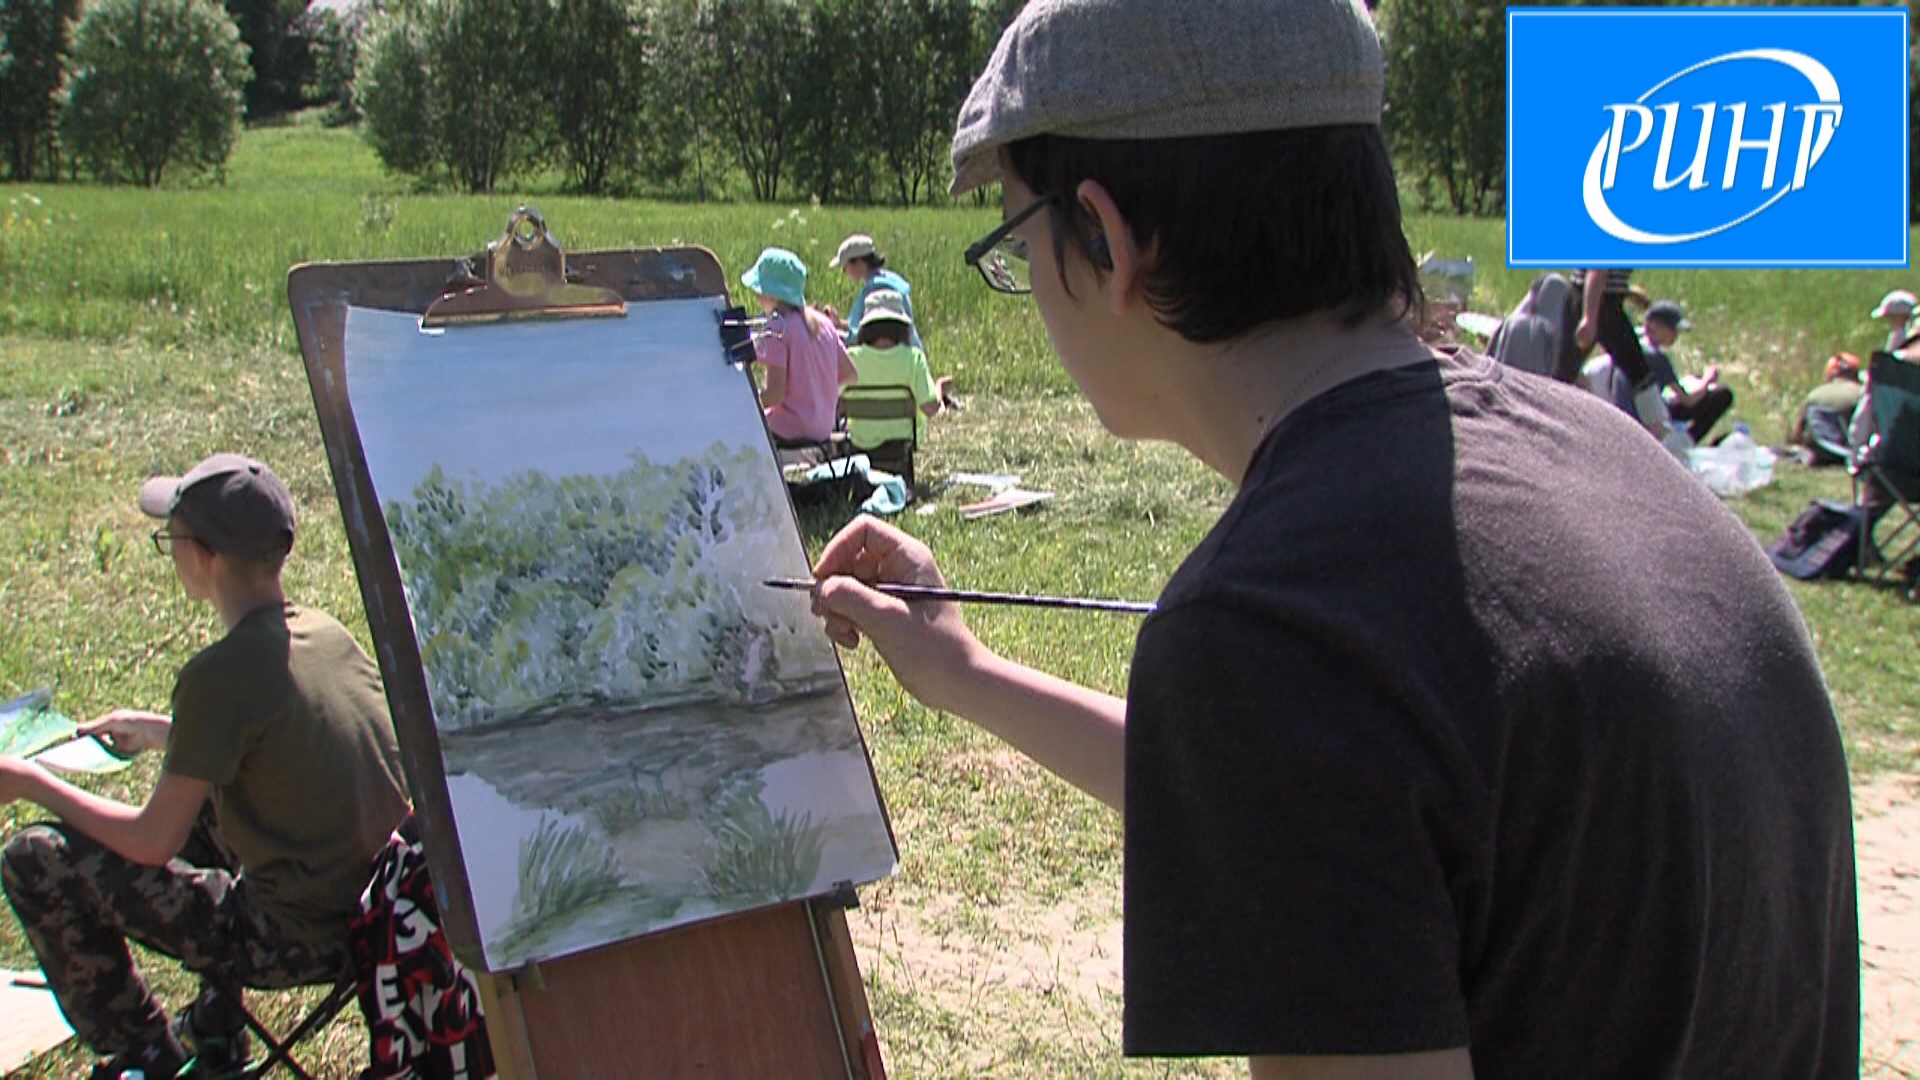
point(774, 991)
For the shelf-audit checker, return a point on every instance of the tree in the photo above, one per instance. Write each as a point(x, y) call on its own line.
point(457, 88)
point(33, 47)
point(488, 77)
point(678, 125)
point(920, 72)
point(834, 112)
point(391, 88)
point(600, 87)
point(334, 44)
point(156, 85)
point(1446, 89)
point(279, 51)
point(751, 61)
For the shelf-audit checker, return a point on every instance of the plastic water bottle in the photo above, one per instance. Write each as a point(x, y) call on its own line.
point(1754, 465)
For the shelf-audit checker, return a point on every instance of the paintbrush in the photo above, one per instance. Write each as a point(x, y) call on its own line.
point(925, 592)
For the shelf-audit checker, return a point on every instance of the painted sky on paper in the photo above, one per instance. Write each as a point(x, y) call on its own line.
point(563, 393)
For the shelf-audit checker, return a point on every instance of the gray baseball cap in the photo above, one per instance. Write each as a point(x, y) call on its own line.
point(1153, 69)
point(1670, 313)
point(232, 504)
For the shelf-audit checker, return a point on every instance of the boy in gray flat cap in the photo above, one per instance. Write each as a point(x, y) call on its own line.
point(280, 781)
point(1425, 773)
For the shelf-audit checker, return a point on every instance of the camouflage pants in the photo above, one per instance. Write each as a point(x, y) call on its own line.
point(80, 903)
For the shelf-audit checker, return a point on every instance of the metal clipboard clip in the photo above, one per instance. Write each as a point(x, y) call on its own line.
point(525, 278)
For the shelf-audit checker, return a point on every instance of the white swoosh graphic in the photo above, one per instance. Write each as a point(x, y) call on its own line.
point(1595, 198)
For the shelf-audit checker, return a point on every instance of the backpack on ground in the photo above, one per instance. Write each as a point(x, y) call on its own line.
point(1535, 336)
point(1820, 543)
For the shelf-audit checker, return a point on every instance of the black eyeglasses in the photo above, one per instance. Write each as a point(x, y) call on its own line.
point(1001, 257)
point(163, 540)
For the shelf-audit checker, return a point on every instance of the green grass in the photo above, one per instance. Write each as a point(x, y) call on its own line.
point(140, 330)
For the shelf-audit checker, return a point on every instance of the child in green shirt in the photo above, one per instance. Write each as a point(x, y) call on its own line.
point(884, 357)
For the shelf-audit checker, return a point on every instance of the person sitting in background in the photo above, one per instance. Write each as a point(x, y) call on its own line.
point(1697, 403)
point(805, 362)
point(863, 263)
point(884, 357)
point(1896, 310)
point(280, 781)
point(1820, 428)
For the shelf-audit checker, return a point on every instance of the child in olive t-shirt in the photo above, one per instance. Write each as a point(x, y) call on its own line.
point(281, 780)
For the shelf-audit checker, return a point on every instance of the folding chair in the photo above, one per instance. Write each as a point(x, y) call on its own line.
point(280, 1051)
point(809, 453)
point(1890, 460)
point(886, 403)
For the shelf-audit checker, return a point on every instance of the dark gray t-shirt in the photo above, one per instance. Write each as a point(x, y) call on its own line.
point(1476, 721)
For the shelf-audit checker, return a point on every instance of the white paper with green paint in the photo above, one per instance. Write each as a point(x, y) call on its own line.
point(31, 728)
point(637, 733)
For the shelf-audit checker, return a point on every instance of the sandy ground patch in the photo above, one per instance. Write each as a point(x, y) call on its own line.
point(1887, 856)
point(1056, 969)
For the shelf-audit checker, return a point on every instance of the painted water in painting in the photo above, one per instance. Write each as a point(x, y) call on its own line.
point(637, 734)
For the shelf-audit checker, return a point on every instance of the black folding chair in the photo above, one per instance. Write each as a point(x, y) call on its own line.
point(887, 403)
point(1890, 460)
point(280, 1051)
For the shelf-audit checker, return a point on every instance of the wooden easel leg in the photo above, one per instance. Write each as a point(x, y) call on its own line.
point(506, 1027)
point(841, 969)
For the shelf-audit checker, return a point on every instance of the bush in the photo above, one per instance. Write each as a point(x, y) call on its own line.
point(599, 88)
point(390, 90)
point(156, 86)
point(457, 87)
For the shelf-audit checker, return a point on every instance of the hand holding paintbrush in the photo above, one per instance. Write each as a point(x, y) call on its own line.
point(877, 583)
point(124, 733)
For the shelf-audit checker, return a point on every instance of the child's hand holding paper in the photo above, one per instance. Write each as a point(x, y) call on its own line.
point(128, 732)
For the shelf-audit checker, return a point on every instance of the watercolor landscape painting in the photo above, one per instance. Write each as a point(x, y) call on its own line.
point(637, 734)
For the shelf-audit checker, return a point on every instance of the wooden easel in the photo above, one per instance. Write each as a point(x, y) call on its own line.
point(770, 993)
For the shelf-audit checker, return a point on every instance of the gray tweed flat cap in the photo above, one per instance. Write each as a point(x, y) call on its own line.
point(1162, 69)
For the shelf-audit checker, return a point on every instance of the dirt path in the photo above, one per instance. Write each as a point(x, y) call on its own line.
point(1055, 971)
point(1887, 854)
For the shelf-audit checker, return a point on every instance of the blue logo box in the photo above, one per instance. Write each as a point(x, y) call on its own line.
point(1706, 137)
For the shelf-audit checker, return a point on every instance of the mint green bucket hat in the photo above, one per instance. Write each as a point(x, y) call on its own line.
point(778, 273)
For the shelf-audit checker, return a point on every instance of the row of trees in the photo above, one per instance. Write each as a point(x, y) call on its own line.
point(136, 90)
point(840, 100)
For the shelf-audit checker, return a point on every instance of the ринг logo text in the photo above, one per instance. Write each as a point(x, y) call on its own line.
point(1632, 125)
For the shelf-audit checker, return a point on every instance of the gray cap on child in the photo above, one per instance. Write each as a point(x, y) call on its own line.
point(1153, 69)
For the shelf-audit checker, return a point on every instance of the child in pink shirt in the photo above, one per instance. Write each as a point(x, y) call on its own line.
point(806, 362)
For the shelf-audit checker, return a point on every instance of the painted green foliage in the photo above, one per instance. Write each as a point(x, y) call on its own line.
point(29, 726)
point(537, 592)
